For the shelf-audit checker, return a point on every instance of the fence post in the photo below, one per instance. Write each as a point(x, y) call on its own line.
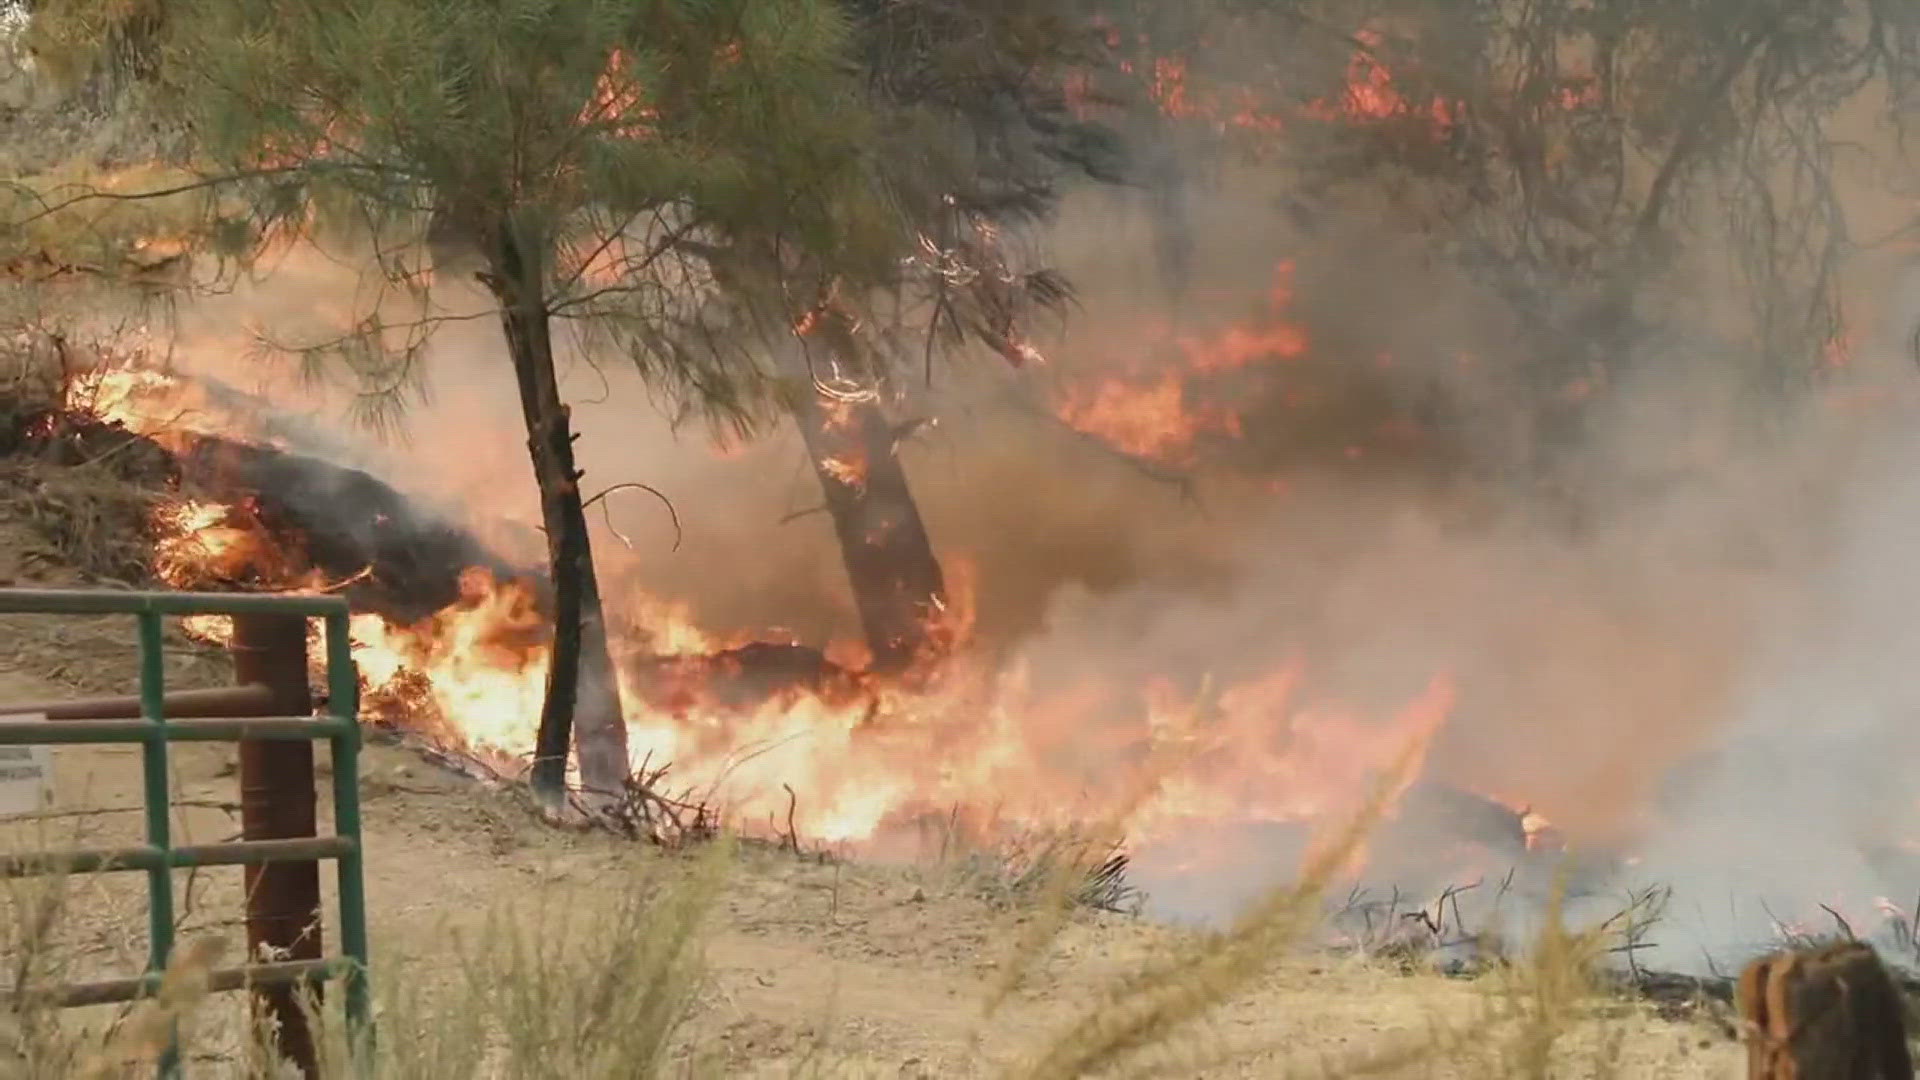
point(1829, 1012)
point(277, 802)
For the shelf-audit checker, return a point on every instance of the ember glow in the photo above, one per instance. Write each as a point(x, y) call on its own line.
point(619, 102)
point(1170, 397)
point(1369, 93)
point(199, 540)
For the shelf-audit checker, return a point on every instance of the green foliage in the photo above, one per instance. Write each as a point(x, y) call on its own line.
point(536, 108)
point(616, 143)
point(689, 177)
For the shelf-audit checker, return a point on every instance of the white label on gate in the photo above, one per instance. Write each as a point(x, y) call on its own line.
point(26, 775)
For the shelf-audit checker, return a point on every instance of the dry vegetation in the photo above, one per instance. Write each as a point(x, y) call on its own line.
point(554, 983)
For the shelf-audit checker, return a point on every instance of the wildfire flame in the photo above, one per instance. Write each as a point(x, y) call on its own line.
point(1369, 93)
point(846, 756)
point(1157, 409)
point(201, 541)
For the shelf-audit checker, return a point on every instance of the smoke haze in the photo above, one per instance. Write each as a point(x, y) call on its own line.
point(1694, 645)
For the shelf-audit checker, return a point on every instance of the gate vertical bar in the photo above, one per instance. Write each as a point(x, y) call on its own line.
point(157, 856)
point(153, 697)
point(343, 701)
point(277, 802)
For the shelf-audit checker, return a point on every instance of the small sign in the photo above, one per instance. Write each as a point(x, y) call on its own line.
point(26, 775)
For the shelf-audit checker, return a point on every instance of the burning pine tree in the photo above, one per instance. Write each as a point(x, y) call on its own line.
point(571, 153)
point(678, 182)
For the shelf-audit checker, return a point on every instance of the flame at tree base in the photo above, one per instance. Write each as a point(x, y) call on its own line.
point(777, 736)
point(763, 731)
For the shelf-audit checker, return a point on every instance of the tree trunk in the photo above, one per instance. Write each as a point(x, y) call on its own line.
point(1827, 1013)
point(583, 697)
point(897, 584)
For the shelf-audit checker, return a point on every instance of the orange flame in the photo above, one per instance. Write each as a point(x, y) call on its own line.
point(619, 102)
point(851, 757)
point(1158, 414)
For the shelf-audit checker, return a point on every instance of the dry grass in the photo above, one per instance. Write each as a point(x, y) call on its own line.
point(94, 523)
point(1150, 1022)
point(1036, 870)
point(30, 383)
point(88, 491)
point(548, 987)
point(559, 981)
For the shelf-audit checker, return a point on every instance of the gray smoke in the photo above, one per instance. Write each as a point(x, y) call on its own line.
point(1691, 656)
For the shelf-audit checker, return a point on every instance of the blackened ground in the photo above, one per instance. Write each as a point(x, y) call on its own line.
point(348, 522)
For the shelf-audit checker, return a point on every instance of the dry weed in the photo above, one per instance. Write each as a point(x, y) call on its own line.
point(553, 986)
point(550, 986)
point(89, 490)
point(559, 982)
point(153, 1025)
point(47, 943)
point(1151, 1007)
point(95, 524)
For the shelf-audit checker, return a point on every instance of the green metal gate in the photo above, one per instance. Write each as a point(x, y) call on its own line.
point(159, 857)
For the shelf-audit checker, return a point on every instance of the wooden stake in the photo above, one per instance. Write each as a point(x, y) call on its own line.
point(1823, 1013)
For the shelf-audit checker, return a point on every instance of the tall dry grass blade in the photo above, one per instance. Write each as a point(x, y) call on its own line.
point(1514, 1033)
point(1546, 992)
point(1151, 1005)
point(41, 948)
point(152, 1026)
point(30, 1035)
point(565, 984)
point(1056, 901)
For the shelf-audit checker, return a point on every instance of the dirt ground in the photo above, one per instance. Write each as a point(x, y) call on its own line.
point(877, 971)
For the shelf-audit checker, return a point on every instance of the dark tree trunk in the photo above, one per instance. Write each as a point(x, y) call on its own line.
point(582, 704)
point(897, 584)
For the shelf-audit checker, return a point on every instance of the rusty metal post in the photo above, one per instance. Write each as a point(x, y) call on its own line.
point(277, 802)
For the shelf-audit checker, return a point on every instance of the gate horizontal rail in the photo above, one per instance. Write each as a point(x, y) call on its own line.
point(247, 699)
point(104, 721)
point(235, 853)
point(220, 980)
point(112, 602)
point(196, 729)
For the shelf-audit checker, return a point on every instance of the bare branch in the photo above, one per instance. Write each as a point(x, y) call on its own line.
point(655, 492)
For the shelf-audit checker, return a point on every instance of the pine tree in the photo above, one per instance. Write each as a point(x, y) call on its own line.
point(585, 154)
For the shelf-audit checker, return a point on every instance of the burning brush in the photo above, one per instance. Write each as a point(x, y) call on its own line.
point(452, 644)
